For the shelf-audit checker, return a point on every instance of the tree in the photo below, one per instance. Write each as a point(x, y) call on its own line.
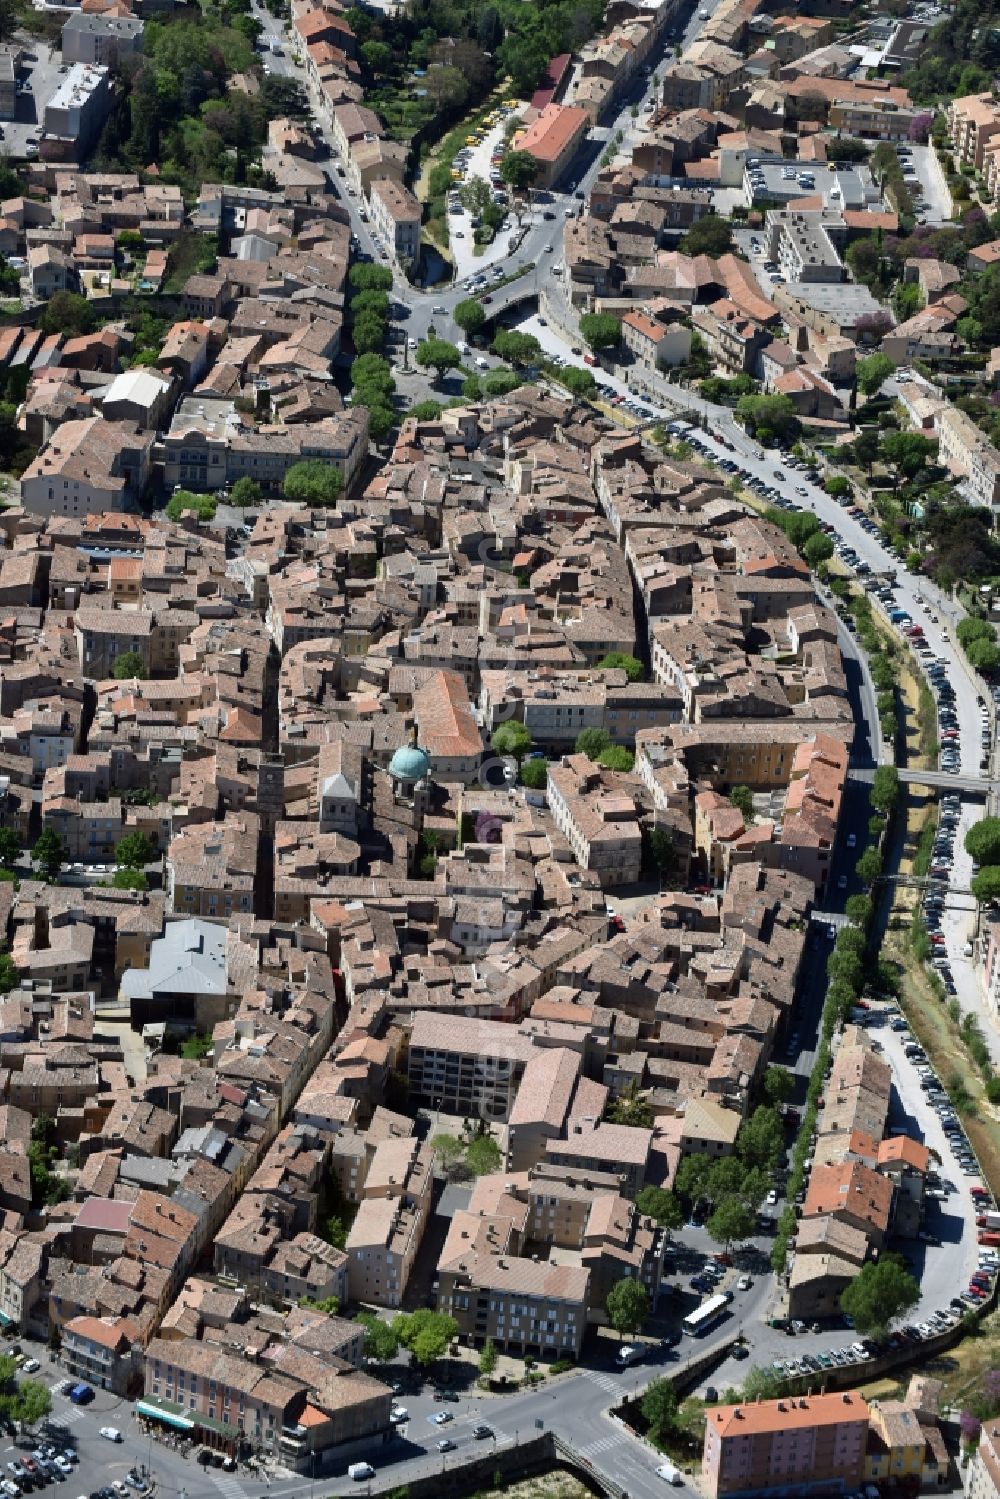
point(763, 1384)
point(882, 1291)
point(600, 330)
point(658, 1203)
point(711, 235)
point(31, 1402)
point(128, 665)
point(501, 382)
point(579, 383)
point(983, 655)
point(484, 1156)
point(203, 505)
point(616, 757)
point(425, 1333)
point(10, 974)
point(817, 550)
point(779, 1085)
point(885, 788)
point(10, 848)
point(773, 416)
point(727, 1178)
point(660, 851)
point(866, 448)
point(134, 851)
point(425, 411)
point(312, 482)
point(761, 1138)
point(518, 169)
point(869, 866)
point(985, 885)
point(488, 1359)
point(469, 315)
point(365, 277)
point(245, 492)
point(535, 774)
point(449, 1149)
point(592, 742)
point(659, 1408)
point(618, 660)
point(627, 1306)
point(742, 799)
point(511, 738)
point(872, 372)
point(65, 312)
point(694, 1176)
point(376, 56)
point(475, 196)
point(49, 853)
point(732, 1221)
point(907, 453)
point(515, 347)
point(860, 909)
point(982, 841)
point(632, 1109)
point(439, 355)
point(381, 1338)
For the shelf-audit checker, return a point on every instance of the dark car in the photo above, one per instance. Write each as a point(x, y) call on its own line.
point(481, 1431)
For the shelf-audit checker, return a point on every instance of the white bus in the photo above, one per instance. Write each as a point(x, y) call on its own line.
point(706, 1315)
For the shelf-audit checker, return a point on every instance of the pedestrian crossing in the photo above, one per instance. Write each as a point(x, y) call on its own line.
point(228, 1486)
point(69, 1417)
point(603, 1445)
point(605, 1381)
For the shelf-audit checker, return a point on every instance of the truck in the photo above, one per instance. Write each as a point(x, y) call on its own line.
point(670, 1474)
point(631, 1354)
point(896, 616)
point(81, 1393)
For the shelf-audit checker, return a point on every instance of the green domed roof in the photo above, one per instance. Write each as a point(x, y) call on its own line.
point(410, 763)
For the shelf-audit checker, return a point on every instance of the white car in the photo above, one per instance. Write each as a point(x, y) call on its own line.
point(30, 1366)
point(111, 1433)
point(772, 1198)
point(442, 1418)
point(744, 1283)
point(398, 1415)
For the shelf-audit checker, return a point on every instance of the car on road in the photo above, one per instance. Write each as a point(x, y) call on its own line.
point(482, 1431)
point(744, 1283)
point(442, 1418)
point(446, 1445)
point(398, 1415)
point(30, 1366)
point(111, 1433)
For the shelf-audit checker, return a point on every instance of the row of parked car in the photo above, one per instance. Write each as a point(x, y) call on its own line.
point(47, 1464)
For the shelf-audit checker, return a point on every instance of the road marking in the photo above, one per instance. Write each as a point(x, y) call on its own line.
point(603, 1445)
point(605, 1381)
point(228, 1486)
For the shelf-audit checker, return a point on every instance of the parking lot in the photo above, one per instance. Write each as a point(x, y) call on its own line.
point(42, 72)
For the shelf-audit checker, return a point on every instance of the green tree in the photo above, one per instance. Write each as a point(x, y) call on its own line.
point(439, 355)
point(983, 655)
point(860, 909)
point(694, 1177)
point(630, 665)
point(488, 1359)
point(726, 1180)
point(381, 1338)
point(866, 448)
point(197, 1047)
point(10, 848)
point(10, 974)
point(732, 1222)
point(579, 383)
point(770, 416)
point(627, 1306)
point(203, 505)
point(885, 788)
point(632, 1109)
point(312, 482)
point(31, 1403)
point(762, 1384)
point(449, 1149)
point(49, 853)
point(469, 316)
point(128, 665)
point(592, 742)
point(426, 1334)
point(501, 382)
point(659, 1407)
point(660, 851)
point(779, 1085)
point(475, 196)
point(761, 1138)
point(511, 738)
point(661, 1205)
point(245, 492)
point(483, 1156)
point(129, 879)
point(882, 1291)
point(817, 550)
point(518, 169)
point(711, 235)
point(907, 453)
point(425, 411)
point(742, 799)
point(869, 866)
point(616, 757)
point(365, 277)
point(535, 774)
point(515, 347)
point(872, 372)
point(376, 56)
point(985, 885)
point(600, 330)
point(982, 841)
point(65, 312)
point(134, 851)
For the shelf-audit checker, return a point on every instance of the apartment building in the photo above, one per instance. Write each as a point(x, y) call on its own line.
point(802, 1445)
point(103, 1351)
point(88, 466)
point(553, 139)
point(396, 216)
point(984, 1471)
point(74, 116)
point(385, 1235)
point(596, 813)
point(654, 344)
point(101, 39)
point(210, 867)
point(973, 124)
point(967, 451)
point(523, 1306)
point(800, 241)
point(466, 1066)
